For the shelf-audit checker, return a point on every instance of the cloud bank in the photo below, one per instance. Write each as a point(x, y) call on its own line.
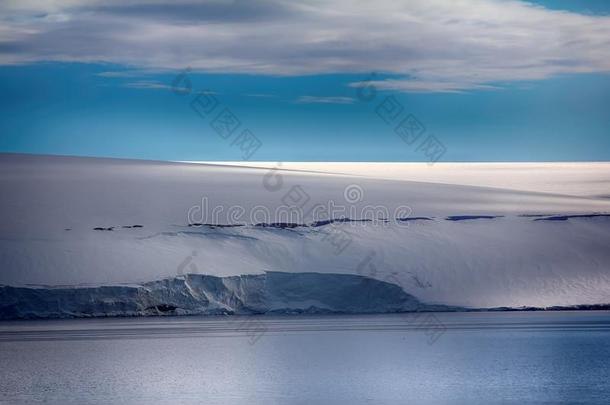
point(429, 45)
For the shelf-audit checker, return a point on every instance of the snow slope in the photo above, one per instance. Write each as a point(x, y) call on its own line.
point(50, 207)
point(584, 179)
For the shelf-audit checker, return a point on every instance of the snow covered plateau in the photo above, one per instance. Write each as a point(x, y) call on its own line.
point(101, 231)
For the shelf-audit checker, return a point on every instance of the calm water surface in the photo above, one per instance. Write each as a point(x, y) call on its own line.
point(474, 358)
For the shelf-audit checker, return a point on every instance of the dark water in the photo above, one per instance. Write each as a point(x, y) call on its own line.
point(474, 358)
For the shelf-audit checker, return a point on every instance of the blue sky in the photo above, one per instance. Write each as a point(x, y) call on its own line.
point(520, 82)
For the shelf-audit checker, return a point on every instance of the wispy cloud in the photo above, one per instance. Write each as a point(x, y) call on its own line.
point(325, 100)
point(143, 84)
point(424, 86)
point(119, 74)
point(436, 46)
point(154, 85)
point(261, 95)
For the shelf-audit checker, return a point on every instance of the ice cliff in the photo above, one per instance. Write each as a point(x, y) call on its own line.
point(196, 294)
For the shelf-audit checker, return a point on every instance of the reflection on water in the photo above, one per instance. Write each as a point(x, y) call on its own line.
point(524, 357)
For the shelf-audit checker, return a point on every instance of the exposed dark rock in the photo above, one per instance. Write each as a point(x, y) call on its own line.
point(566, 217)
point(471, 217)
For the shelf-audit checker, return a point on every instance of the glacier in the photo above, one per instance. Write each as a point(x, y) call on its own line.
point(197, 294)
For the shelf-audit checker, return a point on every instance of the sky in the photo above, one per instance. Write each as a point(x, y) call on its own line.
point(337, 80)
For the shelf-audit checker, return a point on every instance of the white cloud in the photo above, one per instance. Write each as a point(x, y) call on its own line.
point(432, 45)
point(261, 95)
point(145, 84)
point(325, 100)
point(154, 85)
point(120, 74)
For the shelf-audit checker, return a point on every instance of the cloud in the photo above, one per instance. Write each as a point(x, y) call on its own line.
point(261, 95)
point(121, 74)
point(154, 85)
point(428, 45)
point(144, 84)
point(325, 100)
point(424, 86)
